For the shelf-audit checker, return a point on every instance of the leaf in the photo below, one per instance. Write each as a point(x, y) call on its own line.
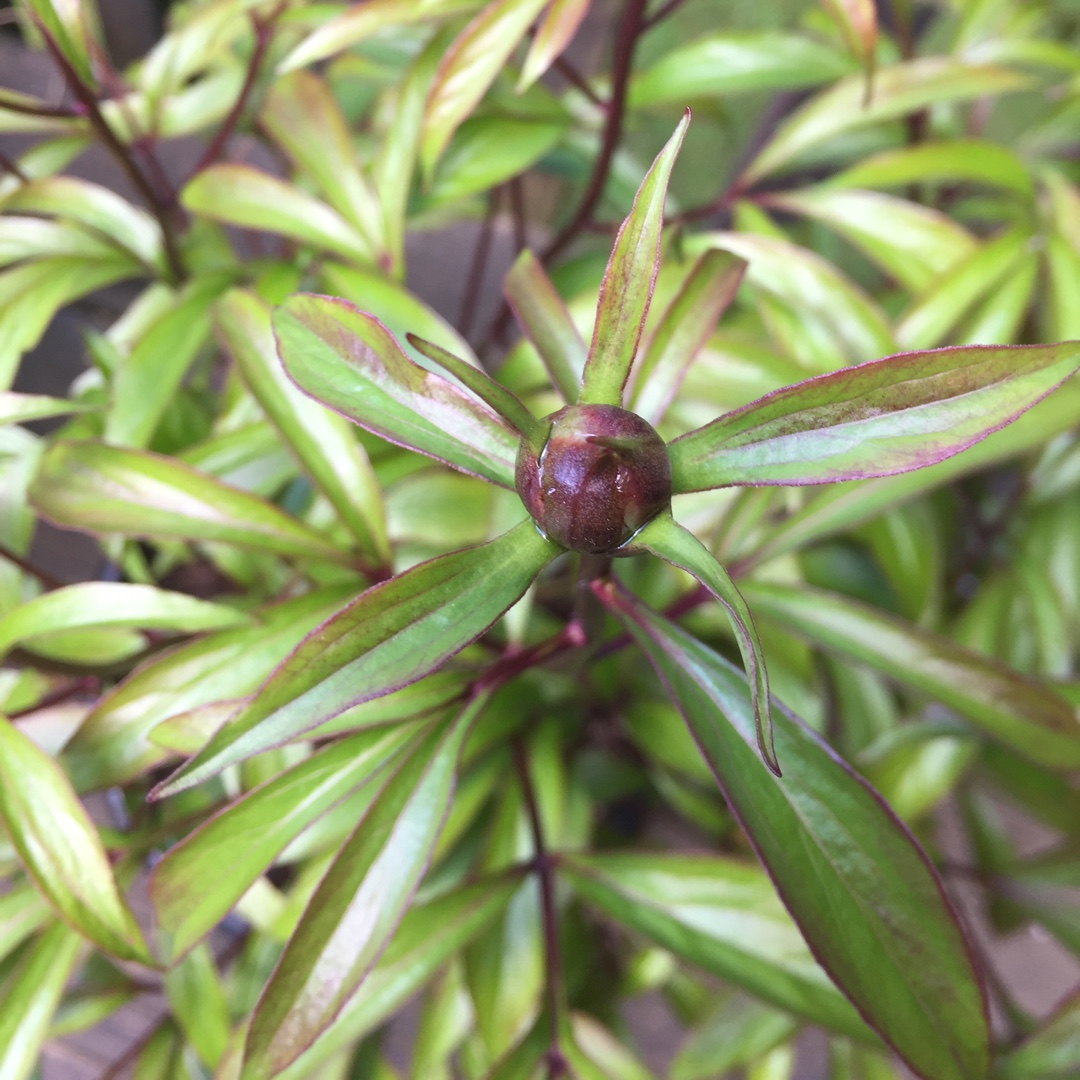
point(627, 288)
point(543, 317)
point(1052, 1052)
point(349, 362)
point(470, 66)
point(61, 849)
point(32, 993)
point(722, 915)
point(887, 416)
point(864, 895)
point(201, 878)
point(24, 237)
point(690, 318)
point(391, 635)
point(197, 1000)
point(19, 408)
point(663, 536)
point(106, 603)
point(557, 29)
point(241, 195)
point(857, 22)
point(722, 64)
point(1024, 713)
point(899, 89)
point(359, 902)
point(322, 441)
point(68, 25)
point(107, 489)
point(23, 912)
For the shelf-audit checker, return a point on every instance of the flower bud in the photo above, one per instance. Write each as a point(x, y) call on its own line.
point(601, 474)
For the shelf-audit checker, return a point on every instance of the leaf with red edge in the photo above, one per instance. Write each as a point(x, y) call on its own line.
point(887, 416)
point(560, 24)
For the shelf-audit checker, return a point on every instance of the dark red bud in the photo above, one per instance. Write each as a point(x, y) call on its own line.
point(600, 475)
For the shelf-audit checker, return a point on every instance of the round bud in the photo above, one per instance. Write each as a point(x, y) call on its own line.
point(601, 474)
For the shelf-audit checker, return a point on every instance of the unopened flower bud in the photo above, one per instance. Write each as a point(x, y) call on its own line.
point(601, 473)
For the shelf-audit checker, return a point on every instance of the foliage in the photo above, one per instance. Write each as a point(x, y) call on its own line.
point(439, 646)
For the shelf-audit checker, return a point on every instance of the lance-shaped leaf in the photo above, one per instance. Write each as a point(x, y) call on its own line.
point(665, 537)
point(393, 634)
point(1053, 1052)
point(857, 21)
point(720, 914)
point(61, 849)
point(323, 442)
point(627, 288)
point(557, 30)
point(543, 317)
point(864, 895)
point(470, 66)
point(1026, 714)
point(492, 393)
point(19, 408)
point(689, 320)
point(350, 362)
point(883, 417)
point(106, 489)
point(107, 603)
point(359, 903)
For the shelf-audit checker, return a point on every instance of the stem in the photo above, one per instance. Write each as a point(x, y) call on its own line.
point(89, 684)
point(517, 211)
point(662, 13)
point(43, 576)
point(12, 167)
point(476, 272)
point(577, 80)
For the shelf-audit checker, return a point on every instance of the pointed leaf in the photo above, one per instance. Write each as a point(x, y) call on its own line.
point(739, 1031)
point(887, 416)
point(197, 1000)
point(864, 895)
point(61, 849)
point(543, 317)
point(557, 30)
point(857, 21)
point(393, 634)
point(359, 903)
point(349, 362)
point(324, 443)
point(1027, 715)
point(201, 879)
point(689, 320)
point(720, 914)
point(107, 489)
point(1053, 1052)
point(663, 536)
point(627, 288)
point(19, 408)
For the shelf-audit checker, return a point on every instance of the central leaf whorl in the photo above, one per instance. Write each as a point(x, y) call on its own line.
point(593, 477)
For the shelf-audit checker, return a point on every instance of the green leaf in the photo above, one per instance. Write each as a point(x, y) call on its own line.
point(241, 195)
point(107, 489)
point(627, 288)
point(1053, 1052)
point(19, 408)
point(359, 902)
point(349, 362)
point(864, 895)
point(201, 879)
point(723, 916)
point(60, 847)
point(197, 999)
point(102, 604)
point(556, 31)
point(690, 318)
point(392, 635)
point(32, 237)
point(543, 317)
point(31, 996)
point(888, 416)
point(723, 64)
point(469, 67)
point(663, 536)
point(1027, 715)
point(322, 441)
point(68, 25)
point(899, 89)
point(23, 912)
point(857, 23)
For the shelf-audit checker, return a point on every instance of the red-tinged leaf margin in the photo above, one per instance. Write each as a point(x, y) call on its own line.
point(627, 288)
point(560, 24)
point(636, 617)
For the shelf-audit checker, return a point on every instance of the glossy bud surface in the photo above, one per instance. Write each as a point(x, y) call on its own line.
point(601, 474)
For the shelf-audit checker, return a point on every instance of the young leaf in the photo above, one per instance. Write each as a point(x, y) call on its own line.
point(864, 895)
point(857, 21)
point(720, 914)
point(324, 443)
point(200, 879)
point(393, 634)
point(628, 283)
point(543, 317)
point(689, 320)
point(665, 537)
point(359, 903)
point(349, 362)
point(888, 416)
point(1024, 713)
point(107, 489)
point(19, 408)
point(61, 849)
point(557, 30)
